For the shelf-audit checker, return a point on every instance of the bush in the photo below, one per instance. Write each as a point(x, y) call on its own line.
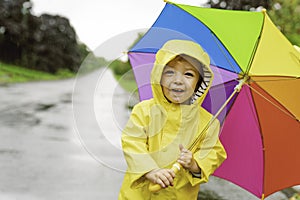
point(119, 67)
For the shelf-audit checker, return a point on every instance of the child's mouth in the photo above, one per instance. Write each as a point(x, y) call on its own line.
point(177, 90)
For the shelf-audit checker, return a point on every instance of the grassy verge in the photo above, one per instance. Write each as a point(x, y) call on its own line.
point(127, 81)
point(15, 74)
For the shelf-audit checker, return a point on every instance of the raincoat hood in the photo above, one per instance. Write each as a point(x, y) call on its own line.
point(169, 51)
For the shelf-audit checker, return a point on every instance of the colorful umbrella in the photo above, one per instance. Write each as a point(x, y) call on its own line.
point(260, 123)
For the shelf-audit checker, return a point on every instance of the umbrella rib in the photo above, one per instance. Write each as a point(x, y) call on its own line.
point(224, 75)
point(254, 113)
point(252, 55)
point(227, 59)
point(285, 112)
point(220, 73)
point(280, 78)
point(228, 83)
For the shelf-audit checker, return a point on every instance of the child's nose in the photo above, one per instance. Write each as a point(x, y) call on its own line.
point(178, 78)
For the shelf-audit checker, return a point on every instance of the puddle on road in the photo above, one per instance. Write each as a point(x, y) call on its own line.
point(66, 98)
point(57, 139)
point(18, 118)
point(44, 106)
point(9, 151)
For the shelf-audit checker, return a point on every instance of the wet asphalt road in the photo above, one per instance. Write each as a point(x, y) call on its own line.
point(41, 154)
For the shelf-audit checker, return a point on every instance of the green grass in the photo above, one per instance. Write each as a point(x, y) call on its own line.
point(127, 81)
point(15, 74)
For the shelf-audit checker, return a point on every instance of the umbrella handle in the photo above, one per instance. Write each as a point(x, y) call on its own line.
point(154, 187)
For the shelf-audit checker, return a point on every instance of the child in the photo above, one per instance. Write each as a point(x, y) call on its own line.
point(161, 129)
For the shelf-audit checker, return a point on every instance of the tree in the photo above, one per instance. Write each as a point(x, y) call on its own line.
point(52, 45)
point(48, 43)
point(12, 27)
point(238, 4)
point(286, 15)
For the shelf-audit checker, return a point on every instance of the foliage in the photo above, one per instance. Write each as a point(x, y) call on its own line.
point(238, 4)
point(119, 67)
point(286, 15)
point(48, 43)
point(289, 192)
point(127, 81)
point(91, 63)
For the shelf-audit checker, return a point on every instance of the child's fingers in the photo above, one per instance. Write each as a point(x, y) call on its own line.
point(185, 155)
point(172, 173)
point(185, 158)
point(165, 180)
point(181, 147)
point(165, 177)
point(169, 174)
point(183, 163)
point(160, 182)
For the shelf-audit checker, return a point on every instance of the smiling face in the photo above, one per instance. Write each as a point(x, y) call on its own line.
point(179, 80)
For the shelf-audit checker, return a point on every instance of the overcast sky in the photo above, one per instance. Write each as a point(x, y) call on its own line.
point(96, 21)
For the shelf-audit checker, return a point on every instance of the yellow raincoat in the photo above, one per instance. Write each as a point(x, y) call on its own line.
point(156, 127)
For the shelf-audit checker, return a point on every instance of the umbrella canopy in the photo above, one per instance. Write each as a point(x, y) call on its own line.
point(260, 124)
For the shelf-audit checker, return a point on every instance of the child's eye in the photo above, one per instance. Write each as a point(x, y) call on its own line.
point(169, 72)
point(189, 74)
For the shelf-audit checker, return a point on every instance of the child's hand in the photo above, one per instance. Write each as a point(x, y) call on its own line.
point(187, 161)
point(163, 177)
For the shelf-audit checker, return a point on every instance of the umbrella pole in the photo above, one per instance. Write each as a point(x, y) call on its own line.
point(262, 196)
point(237, 89)
point(153, 187)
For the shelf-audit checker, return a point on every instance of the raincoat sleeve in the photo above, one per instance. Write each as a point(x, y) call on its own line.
point(135, 146)
point(210, 154)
